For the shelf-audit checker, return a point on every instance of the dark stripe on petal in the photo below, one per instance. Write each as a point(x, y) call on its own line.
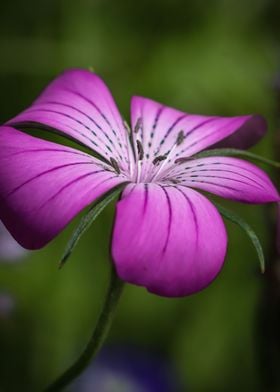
point(226, 171)
point(169, 130)
point(96, 108)
point(210, 183)
point(154, 126)
point(83, 125)
point(191, 206)
point(158, 114)
point(201, 124)
point(146, 198)
point(89, 118)
point(71, 183)
point(49, 149)
point(90, 102)
point(49, 171)
point(42, 126)
point(188, 169)
point(76, 109)
point(222, 178)
point(93, 104)
point(169, 219)
point(36, 109)
point(205, 136)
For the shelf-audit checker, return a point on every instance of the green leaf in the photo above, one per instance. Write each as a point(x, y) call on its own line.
point(237, 153)
point(248, 230)
point(87, 220)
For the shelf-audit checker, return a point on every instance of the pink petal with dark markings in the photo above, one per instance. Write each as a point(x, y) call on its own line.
point(170, 240)
point(44, 185)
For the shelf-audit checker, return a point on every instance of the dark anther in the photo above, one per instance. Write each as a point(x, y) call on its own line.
point(138, 125)
point(173, 180)
point(140, 150)
point(115, 165)
point(159, 159)
point(180, 138)
point(183, 160)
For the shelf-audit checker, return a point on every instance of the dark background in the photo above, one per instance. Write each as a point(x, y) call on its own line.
point(210, 57)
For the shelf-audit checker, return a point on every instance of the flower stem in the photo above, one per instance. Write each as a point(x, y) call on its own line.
point(98, 336)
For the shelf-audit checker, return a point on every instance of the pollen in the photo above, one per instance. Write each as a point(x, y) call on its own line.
point(159, 159)
point(140, 150)
point(173, 180)
point(138, 125)
point(180, 138)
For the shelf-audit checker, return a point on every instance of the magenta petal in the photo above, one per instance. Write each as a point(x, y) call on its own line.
point(79, 104)
point(230, 178)
point(162, 124)
point(44, 185)
point(249, 134)
point(171, 240)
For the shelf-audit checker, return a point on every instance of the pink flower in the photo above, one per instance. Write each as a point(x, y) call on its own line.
point(167, 236)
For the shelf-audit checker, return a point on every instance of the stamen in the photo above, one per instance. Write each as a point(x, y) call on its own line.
point(115, 165)
point(127, 127)
point(173, 180)
point(180, 138)
point(140, 150)
point(138, 125)
point(167, 156)
point(183, 160)
point(159, 159)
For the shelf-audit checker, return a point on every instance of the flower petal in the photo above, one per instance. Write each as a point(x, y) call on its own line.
point(79, 105)
point(171, 239)
point(162, 124)
point(230, 178)
point(44, 185)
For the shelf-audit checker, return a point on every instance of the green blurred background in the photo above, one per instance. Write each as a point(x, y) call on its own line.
point(210, 57)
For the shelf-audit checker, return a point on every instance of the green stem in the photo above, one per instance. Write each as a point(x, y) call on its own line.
point(98, 336)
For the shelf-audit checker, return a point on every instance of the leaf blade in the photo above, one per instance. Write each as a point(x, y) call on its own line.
point(237, 153)
point(248, 230)
point(86, 222)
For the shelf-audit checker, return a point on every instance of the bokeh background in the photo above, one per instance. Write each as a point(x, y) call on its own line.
point(210, 57)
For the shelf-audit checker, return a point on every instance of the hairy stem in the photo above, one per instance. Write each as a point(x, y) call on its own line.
point(98, 336)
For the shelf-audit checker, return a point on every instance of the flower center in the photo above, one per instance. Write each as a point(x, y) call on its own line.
point(144, 167)
point(151, 169)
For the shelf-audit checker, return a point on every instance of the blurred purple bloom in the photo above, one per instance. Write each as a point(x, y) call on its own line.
point(167, 236)
point(127, 369)
point(10, 250)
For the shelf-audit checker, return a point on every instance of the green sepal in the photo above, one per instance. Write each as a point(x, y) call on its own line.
point(248, 230)
point(234, 152)
point(87, 220)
